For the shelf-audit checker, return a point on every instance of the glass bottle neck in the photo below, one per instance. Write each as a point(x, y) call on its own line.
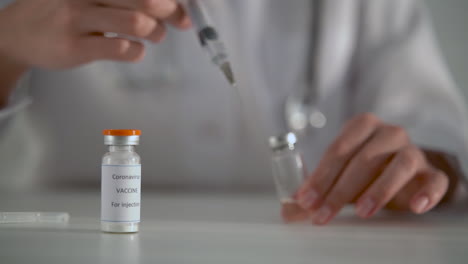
point(129, 148)
point(289, 147)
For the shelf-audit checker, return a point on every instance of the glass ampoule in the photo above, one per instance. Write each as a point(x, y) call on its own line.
point(288, 173)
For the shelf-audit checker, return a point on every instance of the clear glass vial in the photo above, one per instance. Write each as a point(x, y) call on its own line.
point(288, 173)
point(121, 182)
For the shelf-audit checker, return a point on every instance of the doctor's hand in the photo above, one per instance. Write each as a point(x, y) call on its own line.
point(374, 165)
point(57, 34)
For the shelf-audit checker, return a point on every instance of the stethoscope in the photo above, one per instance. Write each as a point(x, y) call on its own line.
point(301, 111)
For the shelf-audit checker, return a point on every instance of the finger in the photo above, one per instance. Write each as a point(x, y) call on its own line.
point(401, 201)
point(159, 33)
point(292, 212)
point(126, 22)
point(167, 10)
point(363, 168)
point(403, 167)
point(91, 48)
point(178, 18)
point(434, 186)
point(354, 134)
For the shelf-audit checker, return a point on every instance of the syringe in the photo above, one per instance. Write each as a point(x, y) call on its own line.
point(34, 217)
point(209, 38)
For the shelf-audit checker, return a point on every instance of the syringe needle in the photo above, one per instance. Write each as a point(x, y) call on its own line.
point(227, 70)
point(209, 38)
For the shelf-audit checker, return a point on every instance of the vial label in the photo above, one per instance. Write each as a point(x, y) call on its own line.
point(120, 193)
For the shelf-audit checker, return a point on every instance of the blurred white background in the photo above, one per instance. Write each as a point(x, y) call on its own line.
point(451, 26)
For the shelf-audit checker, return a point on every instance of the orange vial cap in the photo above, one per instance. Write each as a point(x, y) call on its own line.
point(121, 132)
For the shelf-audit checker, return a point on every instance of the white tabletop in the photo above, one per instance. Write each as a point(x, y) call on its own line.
point(226, 228)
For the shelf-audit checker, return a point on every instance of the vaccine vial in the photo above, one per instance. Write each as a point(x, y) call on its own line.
point(121, 182)
point(288, 173)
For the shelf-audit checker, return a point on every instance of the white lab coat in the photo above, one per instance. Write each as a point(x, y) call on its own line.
point(376, 56)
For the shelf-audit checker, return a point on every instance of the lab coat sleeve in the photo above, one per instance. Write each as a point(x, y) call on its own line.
point(401, 76)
